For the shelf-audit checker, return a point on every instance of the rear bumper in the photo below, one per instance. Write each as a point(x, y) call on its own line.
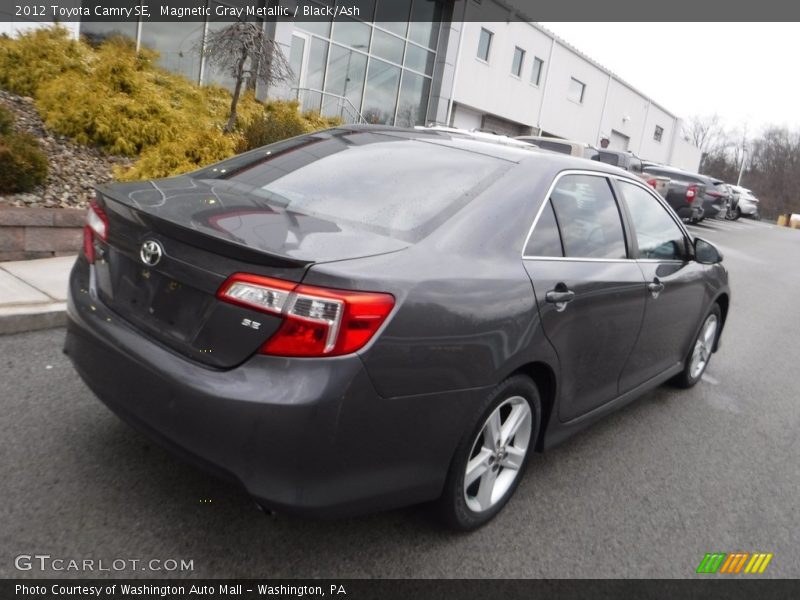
point(748, 208)
point(714, 208)
point(690, 213)
point(302, 435)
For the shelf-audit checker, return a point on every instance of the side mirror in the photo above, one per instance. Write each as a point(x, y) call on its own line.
point(706, 253)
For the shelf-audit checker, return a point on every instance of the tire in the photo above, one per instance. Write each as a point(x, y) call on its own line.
point(738, 214)
point(496, 471)
point(701, 350)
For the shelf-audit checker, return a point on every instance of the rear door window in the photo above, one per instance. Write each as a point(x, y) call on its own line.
point(588, 217)
point(545, 240)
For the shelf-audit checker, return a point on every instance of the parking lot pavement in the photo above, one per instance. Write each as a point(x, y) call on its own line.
point(644, 493)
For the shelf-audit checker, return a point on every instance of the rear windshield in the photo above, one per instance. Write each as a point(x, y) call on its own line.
point(554, 146)
point(403, 188)
point(609, 158)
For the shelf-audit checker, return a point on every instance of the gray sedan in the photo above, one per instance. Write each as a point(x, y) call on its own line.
point(369, 317)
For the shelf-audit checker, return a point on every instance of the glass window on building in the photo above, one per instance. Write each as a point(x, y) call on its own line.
point(393, 15)
point(296, 57)
point(536, 72)
point(318, 26)
point(310, 97)
point(96, 33)
point(517, 62)
point(351, 33)
point(425, 18)
point(485, 44)
point(366, 8)
point(179, 47)
point(576, 90)
point(387, 46)
point(344, 83)
point(380, 97)
point(413, 104)
point(419, 59)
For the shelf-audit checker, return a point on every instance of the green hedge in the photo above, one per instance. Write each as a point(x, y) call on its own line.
point(23, 165)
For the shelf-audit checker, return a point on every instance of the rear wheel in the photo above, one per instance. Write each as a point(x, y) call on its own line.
point(703, 347)
point(491, 457)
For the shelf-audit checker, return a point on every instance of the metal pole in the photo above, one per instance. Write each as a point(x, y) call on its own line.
point(741, 169)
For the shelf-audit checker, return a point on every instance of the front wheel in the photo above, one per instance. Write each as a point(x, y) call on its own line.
point(490, 459)
point(703, 347)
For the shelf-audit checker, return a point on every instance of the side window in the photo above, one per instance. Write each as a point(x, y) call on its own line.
point(545, 239)
point(657, 235)
point(589, 218)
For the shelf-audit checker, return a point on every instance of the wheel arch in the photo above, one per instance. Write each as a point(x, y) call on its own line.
point(723, 300)
point(544, 377)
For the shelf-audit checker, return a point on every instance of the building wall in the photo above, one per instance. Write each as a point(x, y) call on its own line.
point(610, 107)
point(685, 155)
point(490, 86)
point(653, 149)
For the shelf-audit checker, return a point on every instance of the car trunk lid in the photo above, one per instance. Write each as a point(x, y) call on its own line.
point(173, 243)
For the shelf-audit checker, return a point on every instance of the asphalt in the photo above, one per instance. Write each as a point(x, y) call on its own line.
point(644, 493)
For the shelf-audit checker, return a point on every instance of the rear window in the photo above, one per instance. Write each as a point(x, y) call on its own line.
point(608, 158)
point(554, 146)
point(397, 187)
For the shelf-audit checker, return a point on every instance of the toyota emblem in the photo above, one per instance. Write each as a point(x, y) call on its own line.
point(151, 253)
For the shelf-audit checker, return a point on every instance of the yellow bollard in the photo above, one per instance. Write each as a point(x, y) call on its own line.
point(783, 220)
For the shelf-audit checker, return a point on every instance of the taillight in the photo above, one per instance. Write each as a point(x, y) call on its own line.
point(691, 193)
point(316, 321)
point(714, 194)
point(96, 225)
point(652, 183)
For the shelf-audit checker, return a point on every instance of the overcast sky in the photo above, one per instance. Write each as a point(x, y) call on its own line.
point(745, 72)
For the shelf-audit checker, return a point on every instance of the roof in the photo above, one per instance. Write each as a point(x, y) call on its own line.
point(484, 144)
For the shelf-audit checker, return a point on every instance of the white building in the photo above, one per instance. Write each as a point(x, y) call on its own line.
point(516, 77)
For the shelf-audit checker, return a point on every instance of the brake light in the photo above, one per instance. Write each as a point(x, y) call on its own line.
point(691, 193)
point(96, 225)
point(316, 321)
point(652, 183)
point(714, 194)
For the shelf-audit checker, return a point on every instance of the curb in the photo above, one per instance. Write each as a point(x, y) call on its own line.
point(21, 319)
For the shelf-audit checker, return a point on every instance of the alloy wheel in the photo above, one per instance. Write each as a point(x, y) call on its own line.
point(704, 346)
point(497, 454)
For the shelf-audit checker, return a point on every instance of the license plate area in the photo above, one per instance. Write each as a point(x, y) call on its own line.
point(155, 301)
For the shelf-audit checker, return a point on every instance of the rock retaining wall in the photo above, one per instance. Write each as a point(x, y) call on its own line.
point(27, 233)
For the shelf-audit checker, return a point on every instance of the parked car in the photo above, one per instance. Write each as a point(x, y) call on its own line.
point(724, 191)
point(746, 204)
point(369, 317)
point(571, 147)
point(684, 193)
point(631, 162)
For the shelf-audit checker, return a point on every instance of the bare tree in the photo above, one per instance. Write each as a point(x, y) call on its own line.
point(245, 52)
point(714, 141)
point(704, 132)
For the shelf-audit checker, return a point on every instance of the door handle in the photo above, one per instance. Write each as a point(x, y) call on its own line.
point(655, 287)
point(559, 297)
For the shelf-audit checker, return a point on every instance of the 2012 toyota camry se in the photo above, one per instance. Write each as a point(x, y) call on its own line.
point(370, 317)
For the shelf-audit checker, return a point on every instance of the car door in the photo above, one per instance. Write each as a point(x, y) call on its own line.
point(675, 286)
point(590, 294)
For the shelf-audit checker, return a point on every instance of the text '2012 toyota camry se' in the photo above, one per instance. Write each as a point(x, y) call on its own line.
point(369, 317)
